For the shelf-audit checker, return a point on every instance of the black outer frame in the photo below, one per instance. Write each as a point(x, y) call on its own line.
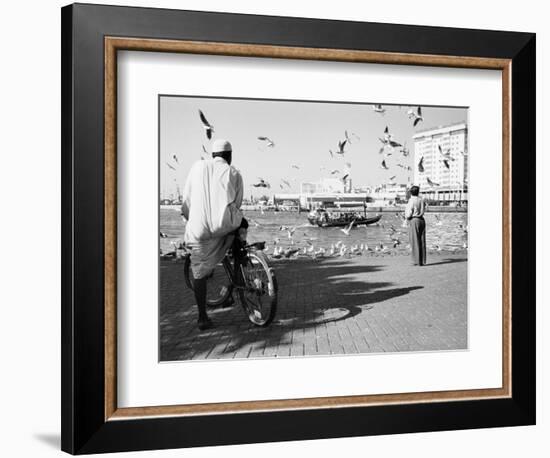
point(84, 429)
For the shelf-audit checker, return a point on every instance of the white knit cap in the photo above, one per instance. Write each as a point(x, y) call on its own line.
point(221, 146)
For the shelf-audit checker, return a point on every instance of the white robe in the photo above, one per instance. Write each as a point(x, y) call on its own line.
point(212, 199)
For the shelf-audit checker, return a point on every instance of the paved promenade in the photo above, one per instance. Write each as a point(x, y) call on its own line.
point(331, 306)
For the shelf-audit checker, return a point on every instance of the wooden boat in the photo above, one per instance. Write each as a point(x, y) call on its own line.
point(323, 218)
point(343, 223)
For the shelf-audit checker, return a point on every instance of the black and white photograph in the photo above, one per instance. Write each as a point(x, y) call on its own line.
point(271, 229)
point(300, 228)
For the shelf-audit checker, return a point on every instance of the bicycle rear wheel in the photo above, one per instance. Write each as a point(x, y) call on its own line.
point(258, 290)
point(218, 286)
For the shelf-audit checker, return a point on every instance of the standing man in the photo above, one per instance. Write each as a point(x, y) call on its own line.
point(414, 212)
point(212, 199)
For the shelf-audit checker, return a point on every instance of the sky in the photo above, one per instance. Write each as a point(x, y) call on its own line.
point(303, 133)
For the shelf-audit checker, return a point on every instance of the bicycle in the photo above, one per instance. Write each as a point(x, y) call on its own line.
point(254, 281)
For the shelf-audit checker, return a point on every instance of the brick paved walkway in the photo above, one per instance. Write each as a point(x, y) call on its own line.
point(332, 306)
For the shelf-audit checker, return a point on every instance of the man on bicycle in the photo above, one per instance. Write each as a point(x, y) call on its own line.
point(212, 199)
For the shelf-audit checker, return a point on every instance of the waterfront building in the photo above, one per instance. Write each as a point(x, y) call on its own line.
point(325, 185)
point(448, 184)
point(389, 193)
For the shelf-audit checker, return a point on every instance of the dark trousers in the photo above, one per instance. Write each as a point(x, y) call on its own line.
point(417, 237)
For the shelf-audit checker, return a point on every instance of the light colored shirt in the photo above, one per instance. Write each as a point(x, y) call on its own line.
point(415, 207)
point(212, 198)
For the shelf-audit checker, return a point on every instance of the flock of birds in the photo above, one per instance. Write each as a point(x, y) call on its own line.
point(294, 242)
point(293, 246)
point(389, 146)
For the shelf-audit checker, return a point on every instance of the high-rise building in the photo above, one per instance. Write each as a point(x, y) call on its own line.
point(444, 155)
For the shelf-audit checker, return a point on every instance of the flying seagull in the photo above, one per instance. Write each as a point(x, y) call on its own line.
point(431, 183)
point(388, 141)
point(394, 144)
point(341, 146)
point(383, 165)
point(446, 163)
point(387, 135)
point(285, 182)
point(405, 150)
point(347, 137)
point(294, 166)
point(171, 166)
point(446, 154)
point(175, 158)
point(261, 184)
point(421, 165)
point(206, 125)
point(270, 143)
point(351, 134)
point(347, 229)
point(417, 116)
point(290, 230)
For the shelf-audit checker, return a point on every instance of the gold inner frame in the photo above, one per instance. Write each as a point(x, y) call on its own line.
point(114, 44)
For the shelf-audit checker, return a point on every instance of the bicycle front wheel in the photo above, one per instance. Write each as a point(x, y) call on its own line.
point(258, 291)
point(218, 285)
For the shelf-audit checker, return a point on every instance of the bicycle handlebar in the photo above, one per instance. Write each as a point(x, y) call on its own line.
point(256, 245)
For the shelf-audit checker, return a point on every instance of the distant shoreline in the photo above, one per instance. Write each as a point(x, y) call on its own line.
point(374, 209)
